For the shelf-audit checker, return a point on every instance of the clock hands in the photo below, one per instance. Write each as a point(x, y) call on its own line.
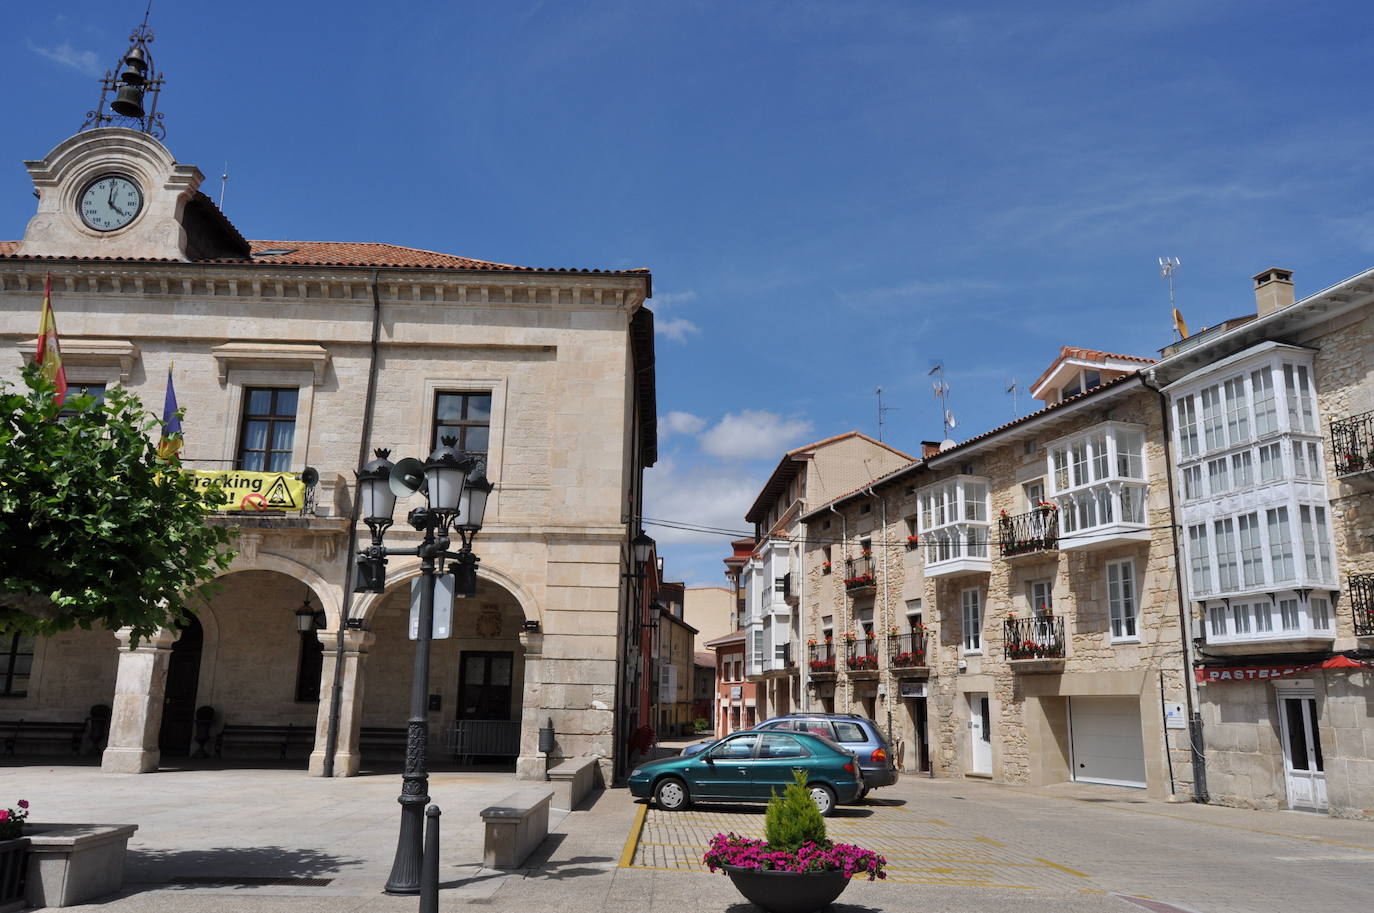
point(111, 201)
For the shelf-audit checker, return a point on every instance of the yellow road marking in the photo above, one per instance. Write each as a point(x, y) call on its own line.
point(627, 855)
point(990, 842)
point(1062, 868)
point(938, 821)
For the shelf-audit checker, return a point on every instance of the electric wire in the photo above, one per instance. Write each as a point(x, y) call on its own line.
point(685, 526)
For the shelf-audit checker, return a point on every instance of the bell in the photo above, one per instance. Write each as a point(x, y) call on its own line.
point(129, 102)
point(135, 68)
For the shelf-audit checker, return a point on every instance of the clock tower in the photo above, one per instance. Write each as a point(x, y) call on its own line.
point(114, 190)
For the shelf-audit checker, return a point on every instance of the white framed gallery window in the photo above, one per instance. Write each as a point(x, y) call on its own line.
point(1122, 601)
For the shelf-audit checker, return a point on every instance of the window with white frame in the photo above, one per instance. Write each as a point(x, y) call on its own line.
point(1185, 417)
point(1280, 544)
point(1242, 470)
point(1316, 544)
point(1270, 462)
point(1227, 577)
point(971, 602)
point(1192, 483)
point(1098, 478)
point(1266, 407)
point(1199, 559)
point(1282, 616)
point(1237, 410)
point(953, 519)
point(1041, 597)
point(1251, 550)
point(1121, 599)
point(1298, 395)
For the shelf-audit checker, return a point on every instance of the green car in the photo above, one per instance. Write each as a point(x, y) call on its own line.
point(748, 767)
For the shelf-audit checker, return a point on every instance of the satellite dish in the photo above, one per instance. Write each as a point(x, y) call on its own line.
point(310, 476)
point(407, 477)
point(946, 444)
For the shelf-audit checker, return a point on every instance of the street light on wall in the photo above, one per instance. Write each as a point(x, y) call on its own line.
point(456, 491)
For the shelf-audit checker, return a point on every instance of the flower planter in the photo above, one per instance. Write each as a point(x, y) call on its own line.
point(788, 892)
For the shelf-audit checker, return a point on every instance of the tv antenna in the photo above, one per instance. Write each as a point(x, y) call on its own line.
point(941, 390)
point(882, 410)
point(1167, 265)
point(223, 179)
point(1014, 388)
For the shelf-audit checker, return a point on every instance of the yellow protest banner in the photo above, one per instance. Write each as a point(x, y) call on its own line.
point(254, 490)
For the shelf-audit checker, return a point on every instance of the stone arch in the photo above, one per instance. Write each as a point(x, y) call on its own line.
point(327, 593)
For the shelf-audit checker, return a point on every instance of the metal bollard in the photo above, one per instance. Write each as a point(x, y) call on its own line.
point(429, 863)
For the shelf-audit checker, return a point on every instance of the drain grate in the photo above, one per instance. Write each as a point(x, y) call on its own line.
point(251, 880)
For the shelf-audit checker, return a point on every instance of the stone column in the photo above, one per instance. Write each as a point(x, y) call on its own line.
point(533, 713)
point(140, 684)
point(347, 758)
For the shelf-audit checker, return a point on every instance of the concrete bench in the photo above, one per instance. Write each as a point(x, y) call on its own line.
point(515, 827)
point(573, 780)
point(73, 863)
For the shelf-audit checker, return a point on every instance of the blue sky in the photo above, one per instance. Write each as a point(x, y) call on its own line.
point(830, 194)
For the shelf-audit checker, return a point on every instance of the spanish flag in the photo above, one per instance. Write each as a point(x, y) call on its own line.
point(49, 355)
point(170, 443)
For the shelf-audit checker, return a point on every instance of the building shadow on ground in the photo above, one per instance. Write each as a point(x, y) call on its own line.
point(232, 867)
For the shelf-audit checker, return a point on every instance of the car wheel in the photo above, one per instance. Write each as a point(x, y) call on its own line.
point(671, 794)
point(865, 791)
point(824, 797)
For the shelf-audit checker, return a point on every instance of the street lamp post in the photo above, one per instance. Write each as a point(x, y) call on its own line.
point(457, 493)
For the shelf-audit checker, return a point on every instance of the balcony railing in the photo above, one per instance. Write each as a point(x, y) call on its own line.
point(1029, 533)
point(1352, 444)
point(821, 658)
point(1362, 603)
point(862, 655)
point(1041, 637)
point(859, 575)
point(907, 650)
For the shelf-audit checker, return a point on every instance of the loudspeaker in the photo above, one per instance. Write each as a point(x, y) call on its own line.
point(407, 477)
point(310, 476)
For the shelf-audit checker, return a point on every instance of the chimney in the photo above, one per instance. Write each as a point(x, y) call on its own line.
point(1273, 290)
point(929, 449)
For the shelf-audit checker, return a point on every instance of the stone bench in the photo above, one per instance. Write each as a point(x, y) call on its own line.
point(515, 827)
point(73, 863)
point(572, 780)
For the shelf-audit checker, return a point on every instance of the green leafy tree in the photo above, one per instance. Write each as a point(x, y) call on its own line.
point(95, 527)
point(792, 818)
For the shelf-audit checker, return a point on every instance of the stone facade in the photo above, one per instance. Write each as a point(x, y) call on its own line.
point(915, 611)
point(1303, 737)
point(566, 358)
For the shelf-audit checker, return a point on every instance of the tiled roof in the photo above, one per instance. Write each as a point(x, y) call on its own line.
point(1084, 355)
point(346, 253)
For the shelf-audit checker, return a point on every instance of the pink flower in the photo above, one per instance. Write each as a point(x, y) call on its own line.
point(4, 814)
point(23, 803)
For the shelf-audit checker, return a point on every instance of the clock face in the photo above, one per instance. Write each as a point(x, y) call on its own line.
point(110, 202)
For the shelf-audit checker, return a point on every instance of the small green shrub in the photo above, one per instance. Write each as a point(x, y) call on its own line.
point(792, 818)
point(702, 724)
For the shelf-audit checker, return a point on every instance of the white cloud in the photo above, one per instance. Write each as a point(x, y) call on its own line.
point(674, 328)
point(753, 435)
point(679, 423)
point(82, 61)
point(701, 495)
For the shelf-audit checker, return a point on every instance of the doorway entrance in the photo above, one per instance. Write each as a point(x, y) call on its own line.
point(484, 728)
point(980, 734)
point(1303, 766)
point(179, 699)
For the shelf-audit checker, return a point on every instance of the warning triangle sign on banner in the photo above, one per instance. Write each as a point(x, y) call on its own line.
point(279, 495)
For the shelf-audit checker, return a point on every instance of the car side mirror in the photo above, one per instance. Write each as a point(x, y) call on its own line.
point(706, 756)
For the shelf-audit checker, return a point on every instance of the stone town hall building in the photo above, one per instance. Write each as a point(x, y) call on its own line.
point(274, 347)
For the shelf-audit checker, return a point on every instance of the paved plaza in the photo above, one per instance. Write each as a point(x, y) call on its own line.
point(277, 840)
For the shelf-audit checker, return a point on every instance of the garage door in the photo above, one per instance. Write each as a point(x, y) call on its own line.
point(1106, 740)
